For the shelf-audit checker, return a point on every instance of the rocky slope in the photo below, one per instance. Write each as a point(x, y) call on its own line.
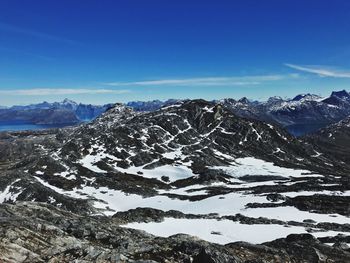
point(193, 167)
point(33, 232)
point(197, 132)
point(334, 139)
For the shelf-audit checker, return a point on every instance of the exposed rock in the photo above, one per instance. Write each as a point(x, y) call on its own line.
point(32, 232)
point(55, 185)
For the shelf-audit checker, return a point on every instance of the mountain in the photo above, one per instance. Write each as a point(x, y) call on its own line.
point(307, 97)
point(65, 112)
point(334, 139)
point(189, 126)
point(150, 105)
point(193, 168)
point(250, 109)
point(338, 99)
point(38, 116)
point(87, 112)
point(65, 104)
point(302, 114)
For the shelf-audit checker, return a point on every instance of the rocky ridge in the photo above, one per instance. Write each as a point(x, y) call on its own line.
point(334, 139)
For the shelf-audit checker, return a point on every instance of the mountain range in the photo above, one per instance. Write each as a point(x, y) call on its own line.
point(137, 186)
point(65, 112)
point(305, 113)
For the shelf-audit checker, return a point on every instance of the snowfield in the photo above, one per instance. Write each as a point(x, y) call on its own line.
point(109, 201)
point(222, 231)
point(253, 166)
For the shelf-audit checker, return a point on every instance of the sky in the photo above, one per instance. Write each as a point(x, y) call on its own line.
point(99, 51)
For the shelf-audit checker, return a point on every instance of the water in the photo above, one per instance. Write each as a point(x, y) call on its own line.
point(296, 129)
point(21, 126)
point(303, 129)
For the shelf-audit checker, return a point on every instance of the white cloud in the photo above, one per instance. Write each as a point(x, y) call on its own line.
point(321, 71)
point(209, 81)
point(45, 92)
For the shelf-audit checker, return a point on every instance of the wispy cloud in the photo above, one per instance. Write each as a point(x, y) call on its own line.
point(322, 71)
point(22, 52)
point(37, 34)
point(46, 92)
point(209, 81)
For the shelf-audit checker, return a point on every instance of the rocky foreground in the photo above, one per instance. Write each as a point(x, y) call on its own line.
point(191, 182)
point(33, 232)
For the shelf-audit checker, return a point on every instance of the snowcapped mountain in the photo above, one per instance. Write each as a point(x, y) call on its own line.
point(65, 112)
point(65, 104)
point(307, 111)
point(193, 167)
point(338, 99)
point(307, 97)
point(303, 114)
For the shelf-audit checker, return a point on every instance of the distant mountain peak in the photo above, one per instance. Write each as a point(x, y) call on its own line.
point(68, 101)
point(244, 100)
point(341, 94)
point(338, 98)
point(275, 99)
point(151, 105)
point(306, 96)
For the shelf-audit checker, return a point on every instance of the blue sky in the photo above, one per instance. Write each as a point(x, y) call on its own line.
point(112, 50)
